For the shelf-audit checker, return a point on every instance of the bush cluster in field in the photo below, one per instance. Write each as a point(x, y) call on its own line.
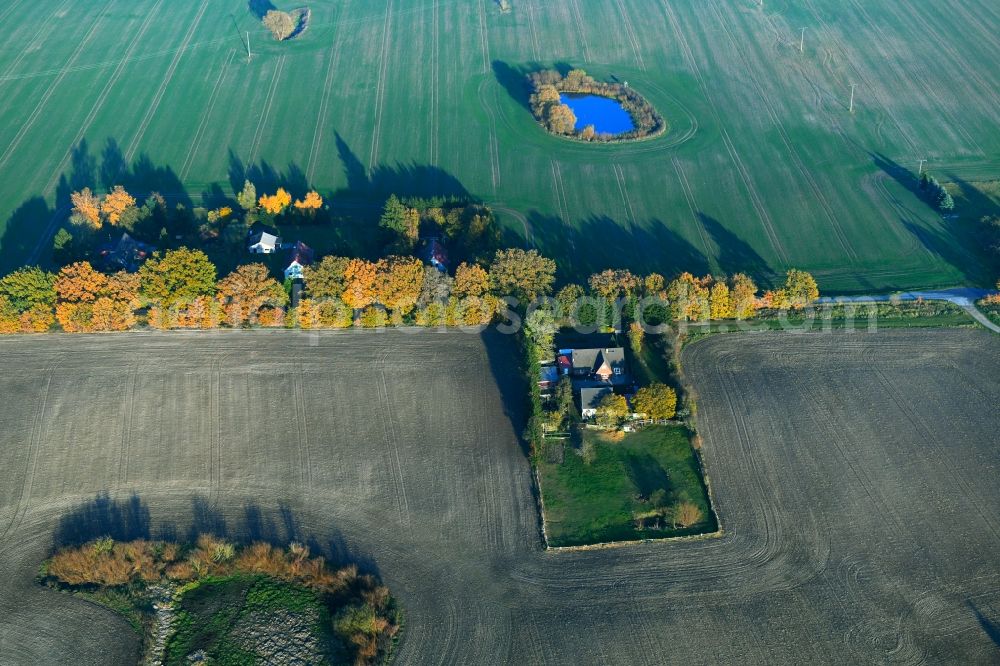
point(120, 575)
point(558, 118)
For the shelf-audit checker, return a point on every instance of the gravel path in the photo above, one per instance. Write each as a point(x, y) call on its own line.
point(854, 474)
point(963, 297)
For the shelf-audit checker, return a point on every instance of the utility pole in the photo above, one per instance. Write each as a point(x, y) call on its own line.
point(802, 41)
point(920, 171)
point(853, 86)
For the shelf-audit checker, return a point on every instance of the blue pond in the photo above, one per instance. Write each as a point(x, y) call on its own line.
point(605, 114)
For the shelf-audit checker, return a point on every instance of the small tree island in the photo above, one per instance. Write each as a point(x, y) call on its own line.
point(548, 104)
point(219, 602)
point(286, 25)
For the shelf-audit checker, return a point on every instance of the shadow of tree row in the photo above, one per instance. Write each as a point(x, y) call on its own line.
point(958, 246)
point(130, 519)
point(23, 243)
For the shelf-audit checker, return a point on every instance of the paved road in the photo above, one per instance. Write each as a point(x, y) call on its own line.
point(963, 297)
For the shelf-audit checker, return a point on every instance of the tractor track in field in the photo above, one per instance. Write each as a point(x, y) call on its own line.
point(51, 89)
point(40, 35)
point(630, 34)
point(741, 169)
point(302, 424)
point(205, 115)
point(928, 91)
point(801, 168)
point(31, 459)
point(692, 206)
point(316, 146)
point(265, 114)
point(10, 8)
point(494, 144)
point(530, 9)
point(380, 89)
point(578, 20)
point(484, 38)
point(863, 79)
point(161, 91)
point(630, 217)
point(562, 202)
point(127, 420)
point(101, 99)
point(434, 140)
point(392, 446)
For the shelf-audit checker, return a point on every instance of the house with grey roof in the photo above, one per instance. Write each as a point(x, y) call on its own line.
point(590, 398)
point(605, 365)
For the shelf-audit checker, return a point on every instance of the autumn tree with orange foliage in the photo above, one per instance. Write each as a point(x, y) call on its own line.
point(79, 282)
point(397, 283)
point(246, 292)
point(470, 280)
point(359, 280)
point(115, 203)
point(276, 203)
point(89, 301)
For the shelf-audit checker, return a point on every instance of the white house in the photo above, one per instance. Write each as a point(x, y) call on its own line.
point(302, 256)
point(263, 242)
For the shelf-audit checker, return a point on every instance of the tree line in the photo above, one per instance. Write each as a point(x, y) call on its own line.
point(547, 107)
point(180, 289)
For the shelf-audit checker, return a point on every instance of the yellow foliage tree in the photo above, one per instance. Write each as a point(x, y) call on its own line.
point(720, 304)
point(397, 283)
point(470, 280)
point(86, 207)
point(359, 278)
point(277, 202)
point(115, 203)
point(743, 296)
point(313, 201)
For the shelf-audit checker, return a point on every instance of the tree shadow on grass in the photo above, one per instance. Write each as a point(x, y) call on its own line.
point(648, 247)
point(266, 177)
point(260, 8)
point(514, 78)
point(646, 473)
point(898, 172)
point(129, 519)
point(403, 180)
point(948, 249)
point(735, 254)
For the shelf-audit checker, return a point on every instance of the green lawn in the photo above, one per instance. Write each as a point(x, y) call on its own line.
point(588, 502)
point(763, 167)
point(213, 615)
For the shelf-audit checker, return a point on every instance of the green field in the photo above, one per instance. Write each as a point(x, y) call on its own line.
point(763, 168)
point(593, 498)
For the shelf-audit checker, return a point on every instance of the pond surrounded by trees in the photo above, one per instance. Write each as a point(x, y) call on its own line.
point(605, 114)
